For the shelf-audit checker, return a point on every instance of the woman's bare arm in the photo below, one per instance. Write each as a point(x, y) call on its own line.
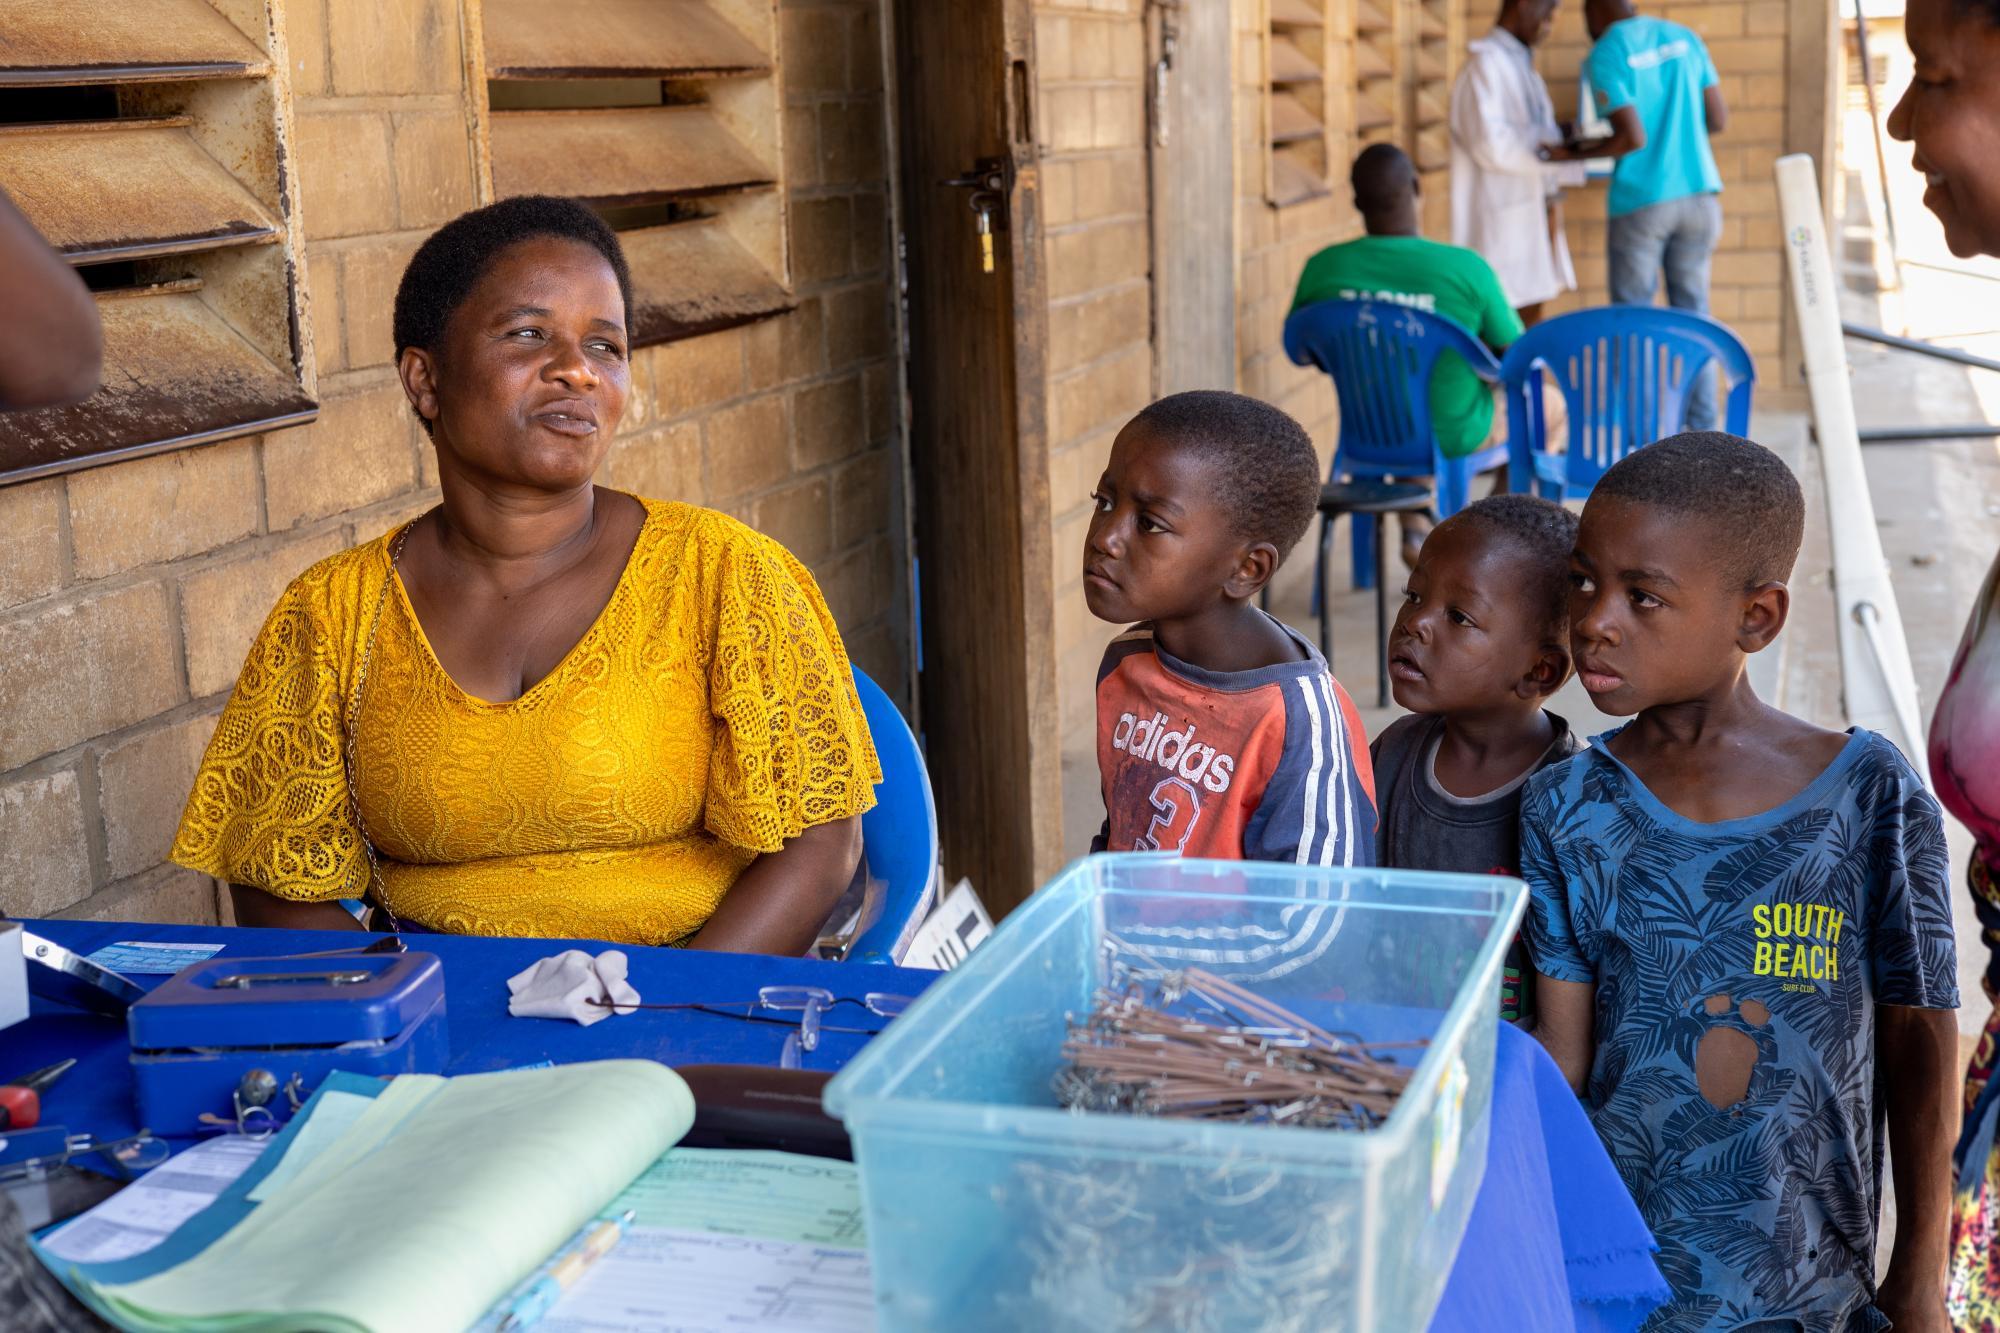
point(779, 904)
point(254, 907)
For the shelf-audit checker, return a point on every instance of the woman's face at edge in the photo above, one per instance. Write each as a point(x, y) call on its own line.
point(1951, 114)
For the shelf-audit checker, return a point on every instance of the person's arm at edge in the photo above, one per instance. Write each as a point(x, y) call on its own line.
point(1714, 109)
point(55, 357)
point(778, 905)
point(1565, 1013)
point(1566, 1006)
point(1627, 136)
point(1917, 1050)
point(255, 907)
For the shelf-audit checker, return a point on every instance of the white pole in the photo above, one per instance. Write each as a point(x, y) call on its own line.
point(1878, 686)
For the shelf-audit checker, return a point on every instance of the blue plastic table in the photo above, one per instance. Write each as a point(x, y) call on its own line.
point(1553, 1244)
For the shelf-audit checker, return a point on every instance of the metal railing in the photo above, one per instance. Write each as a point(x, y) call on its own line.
point(1877, 683)
point(1979, 430)
point(1869, 618)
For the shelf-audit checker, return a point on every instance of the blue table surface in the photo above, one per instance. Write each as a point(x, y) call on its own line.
point(97, 1094)
point(1549, 1213)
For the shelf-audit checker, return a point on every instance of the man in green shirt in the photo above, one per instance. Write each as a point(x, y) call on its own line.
point(1393, 262)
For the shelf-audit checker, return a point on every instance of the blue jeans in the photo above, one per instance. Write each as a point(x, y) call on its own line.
point(1679, 236)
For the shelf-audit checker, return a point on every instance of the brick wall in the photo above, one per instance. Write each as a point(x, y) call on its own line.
point(1749, 41)
point(129, 593)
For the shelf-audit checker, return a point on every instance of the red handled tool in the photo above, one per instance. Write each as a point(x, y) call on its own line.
point(21, 1100)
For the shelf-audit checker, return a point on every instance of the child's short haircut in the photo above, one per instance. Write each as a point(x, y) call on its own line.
point(1266, 470)
point(1545, 533)
point(1742, 491)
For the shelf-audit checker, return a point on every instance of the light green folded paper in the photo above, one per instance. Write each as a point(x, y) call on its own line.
point(434, 1203)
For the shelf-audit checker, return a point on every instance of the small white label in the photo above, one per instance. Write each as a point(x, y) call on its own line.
point(954, 929)
point(1447, 1129)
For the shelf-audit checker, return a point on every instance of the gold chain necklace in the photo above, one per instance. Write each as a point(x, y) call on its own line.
point(375, 887)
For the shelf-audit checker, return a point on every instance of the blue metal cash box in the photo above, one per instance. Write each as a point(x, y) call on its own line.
point(231, 1036)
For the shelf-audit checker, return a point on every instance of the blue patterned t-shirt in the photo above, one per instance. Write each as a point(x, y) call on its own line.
point(1738, 966)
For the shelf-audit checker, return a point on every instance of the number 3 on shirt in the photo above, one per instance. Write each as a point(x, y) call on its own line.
point(1176, 807)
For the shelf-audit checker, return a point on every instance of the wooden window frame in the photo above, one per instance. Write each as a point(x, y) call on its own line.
point(174, 199)
point(1299, 77)
point(686, 112)
point(1379, 104)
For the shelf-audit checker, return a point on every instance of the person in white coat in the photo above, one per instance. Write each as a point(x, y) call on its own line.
point(1505, 194)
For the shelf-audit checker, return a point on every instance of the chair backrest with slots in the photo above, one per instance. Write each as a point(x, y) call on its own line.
point(1381, 356)
point(900, 835)
point(1625, 373)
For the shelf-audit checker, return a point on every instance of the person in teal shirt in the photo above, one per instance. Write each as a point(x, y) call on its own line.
point(1394, 262)
point(1656, 84)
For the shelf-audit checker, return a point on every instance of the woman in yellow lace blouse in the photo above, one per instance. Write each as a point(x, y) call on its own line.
point(542, 708)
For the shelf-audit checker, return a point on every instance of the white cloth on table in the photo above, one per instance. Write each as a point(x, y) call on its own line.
point(1501, 116)
point(572, 984)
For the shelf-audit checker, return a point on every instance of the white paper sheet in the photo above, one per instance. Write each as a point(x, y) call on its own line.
point(660, 1280)
point(152, 1207)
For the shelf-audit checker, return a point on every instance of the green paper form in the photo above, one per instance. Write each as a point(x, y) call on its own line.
point(769, 1195)
point(441, 1196)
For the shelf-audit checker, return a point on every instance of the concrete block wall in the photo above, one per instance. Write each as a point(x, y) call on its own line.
point(129, 593)
point(1273, 245)
point(1092, 66)
point(1750, 41)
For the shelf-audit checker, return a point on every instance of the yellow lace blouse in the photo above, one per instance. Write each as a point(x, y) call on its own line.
point(708, 715)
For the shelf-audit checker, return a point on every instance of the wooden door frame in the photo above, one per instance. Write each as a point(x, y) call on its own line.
point(1191, 191)
point(983, 529)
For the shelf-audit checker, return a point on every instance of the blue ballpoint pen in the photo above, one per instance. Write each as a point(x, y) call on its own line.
point(562, 1271)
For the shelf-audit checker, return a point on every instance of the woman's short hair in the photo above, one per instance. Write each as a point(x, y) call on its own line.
point(451, 261)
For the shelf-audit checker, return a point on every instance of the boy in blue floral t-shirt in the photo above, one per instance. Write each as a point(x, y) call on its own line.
point(1741, 922)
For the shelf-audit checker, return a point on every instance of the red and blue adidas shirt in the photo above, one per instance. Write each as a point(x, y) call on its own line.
point(1263, 765)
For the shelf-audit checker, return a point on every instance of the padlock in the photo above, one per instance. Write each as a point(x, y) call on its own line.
point(983, 210)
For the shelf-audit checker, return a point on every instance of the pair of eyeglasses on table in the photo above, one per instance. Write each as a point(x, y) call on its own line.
point(50, 1173)
point(810, 1003)
point(28, 1153)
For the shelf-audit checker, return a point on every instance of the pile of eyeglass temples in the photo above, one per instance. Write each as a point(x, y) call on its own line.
point(1192, 1045)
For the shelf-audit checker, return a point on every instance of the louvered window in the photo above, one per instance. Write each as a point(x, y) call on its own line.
point(1433, 63)
point(144, 139)
point(1376, 94)
point(664, 116)
point(1296, 89)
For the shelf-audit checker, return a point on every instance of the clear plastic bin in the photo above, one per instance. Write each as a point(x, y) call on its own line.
point(990, 1207)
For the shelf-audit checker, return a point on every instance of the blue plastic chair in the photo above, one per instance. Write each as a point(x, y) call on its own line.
point(899, 837)
point(1625, 372)
point(1381, 356)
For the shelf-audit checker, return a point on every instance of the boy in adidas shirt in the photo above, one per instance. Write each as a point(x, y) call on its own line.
point(1220, 732)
